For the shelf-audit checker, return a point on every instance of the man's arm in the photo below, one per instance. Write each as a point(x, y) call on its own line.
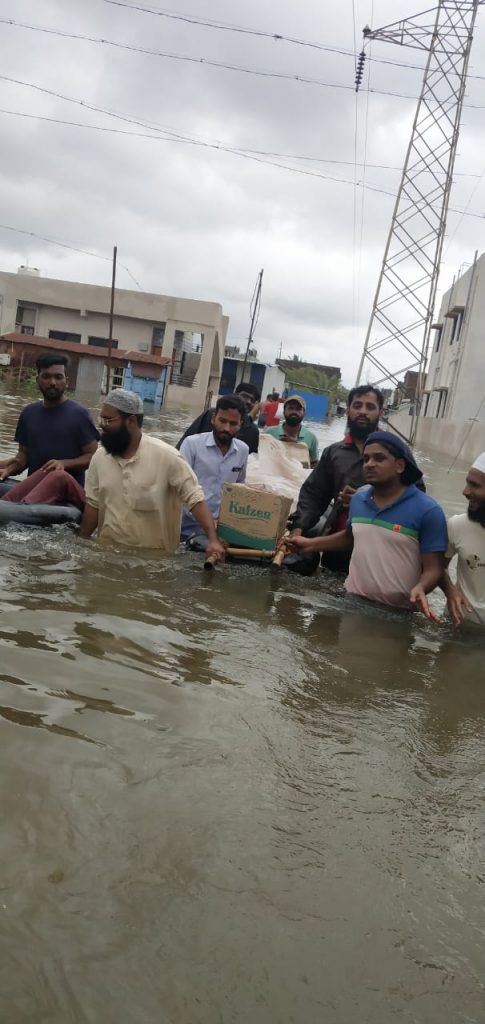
point(241, 476)
point(201, 513)
point(81, 462)
point(89, 521)
point(341, 541)
point(458, 604)
point(15, 464)
point(432, 568)
point(315, 496)
point(187, 450)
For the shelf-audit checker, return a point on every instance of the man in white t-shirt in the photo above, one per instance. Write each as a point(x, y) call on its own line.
point(466, 536)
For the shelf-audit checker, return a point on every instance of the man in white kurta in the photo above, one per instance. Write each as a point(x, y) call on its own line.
point(137, 484)
point(466, 537)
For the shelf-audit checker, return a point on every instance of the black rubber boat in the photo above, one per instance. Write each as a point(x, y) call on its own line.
point(34, 515)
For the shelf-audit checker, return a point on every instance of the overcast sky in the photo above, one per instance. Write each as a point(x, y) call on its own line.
point(199, 222)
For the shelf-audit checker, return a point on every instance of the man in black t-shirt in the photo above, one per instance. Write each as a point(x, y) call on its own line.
point(248, 433)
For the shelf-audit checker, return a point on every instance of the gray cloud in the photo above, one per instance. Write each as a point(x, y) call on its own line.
point(200, 222)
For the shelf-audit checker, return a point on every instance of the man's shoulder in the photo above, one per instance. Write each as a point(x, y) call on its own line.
point(155, 444)
point(75, 407)
point(274, 431)
point(459, 525)
point(241, 446)
point(424, 501)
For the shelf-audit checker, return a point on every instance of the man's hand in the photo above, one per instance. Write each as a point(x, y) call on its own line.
point(215, 549)
point(298, 543)
point(345, 495)
point(419, 599)
point(458, 605)
point(6, 467)
point(52, 465)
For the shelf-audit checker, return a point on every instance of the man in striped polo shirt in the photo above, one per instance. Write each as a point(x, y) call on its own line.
point(397, 534)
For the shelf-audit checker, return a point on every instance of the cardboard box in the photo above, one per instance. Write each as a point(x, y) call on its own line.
point(251, 518)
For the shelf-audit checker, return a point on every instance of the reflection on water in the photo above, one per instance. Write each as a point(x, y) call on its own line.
point(299, 838)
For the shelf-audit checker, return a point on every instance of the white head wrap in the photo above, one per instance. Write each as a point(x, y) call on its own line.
point(479, 463)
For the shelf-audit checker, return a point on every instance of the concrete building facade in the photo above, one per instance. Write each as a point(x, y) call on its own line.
point(452, 417)
point(455, 388)
point(190, 333)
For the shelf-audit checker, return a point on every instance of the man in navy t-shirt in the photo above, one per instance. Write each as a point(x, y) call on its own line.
point(56, 437)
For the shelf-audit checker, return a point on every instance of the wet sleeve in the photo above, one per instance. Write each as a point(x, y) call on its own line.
point(187, 450)
point(315, 495)
point(452, 548)
point(21, 430)
point(433, 535)
point(241, 476)
point(92, 483)
point(184, 481)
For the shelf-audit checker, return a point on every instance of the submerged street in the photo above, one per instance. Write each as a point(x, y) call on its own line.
point(232, 796)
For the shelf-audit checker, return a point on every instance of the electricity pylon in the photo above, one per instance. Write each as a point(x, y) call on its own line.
point(400, 323)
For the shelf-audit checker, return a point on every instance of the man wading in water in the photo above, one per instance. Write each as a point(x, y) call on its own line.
point(396, 535)
point(136, 484)
point(337, 475)
point(466, 538)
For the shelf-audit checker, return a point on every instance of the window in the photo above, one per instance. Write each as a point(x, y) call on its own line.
point(25, 319)
point(101, 342)
point(158, 334)
point(456, 329)
point(439, 332)
point(64, 336)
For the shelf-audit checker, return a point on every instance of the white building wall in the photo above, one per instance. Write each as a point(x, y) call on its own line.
point(458, 363)
point(84, 309)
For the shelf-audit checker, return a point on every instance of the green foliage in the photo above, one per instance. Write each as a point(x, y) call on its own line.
point(308, 376)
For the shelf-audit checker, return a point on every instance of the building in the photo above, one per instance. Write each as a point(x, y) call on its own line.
point(455, 387)
point(189, 333)
point(452, 417)
point(265, 376)
point(406, 389)
point(141, 372)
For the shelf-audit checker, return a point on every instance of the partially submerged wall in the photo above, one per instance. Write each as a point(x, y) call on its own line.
point(461, 440)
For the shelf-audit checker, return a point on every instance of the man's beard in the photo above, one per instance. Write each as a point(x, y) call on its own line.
point(361, 430)
point(477, 515)
point(116, 441)
point(293, 419)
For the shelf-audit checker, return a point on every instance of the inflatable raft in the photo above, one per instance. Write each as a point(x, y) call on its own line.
point(34, 515)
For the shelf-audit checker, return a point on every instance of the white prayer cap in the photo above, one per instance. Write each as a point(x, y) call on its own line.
point(125, 401)
point(479, 463)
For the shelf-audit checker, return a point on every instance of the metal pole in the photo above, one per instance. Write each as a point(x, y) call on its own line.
point(112, 304)
point(254, 314)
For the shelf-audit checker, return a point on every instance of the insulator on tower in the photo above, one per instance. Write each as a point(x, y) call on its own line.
point(359, 71)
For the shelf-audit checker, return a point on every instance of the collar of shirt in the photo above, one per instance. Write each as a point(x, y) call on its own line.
point(368, 498)
point(348, 439)
point(211, 443)
point(126, 462)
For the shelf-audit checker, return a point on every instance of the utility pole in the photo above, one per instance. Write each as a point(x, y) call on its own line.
point(254, 312)
point(399, 329)
point(111, 310)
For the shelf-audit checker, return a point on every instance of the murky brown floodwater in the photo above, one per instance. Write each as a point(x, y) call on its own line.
point(232, 798)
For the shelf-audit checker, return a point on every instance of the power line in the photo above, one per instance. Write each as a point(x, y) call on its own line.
point(172, 136)
point(221, 26)
point(205, 61)
point(73, 248)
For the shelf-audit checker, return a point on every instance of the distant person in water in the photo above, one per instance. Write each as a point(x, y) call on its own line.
point(56, 439)
point(248, 432)
point(466, 539)
point(136, 484)
point(292, 429)
point(396, 535)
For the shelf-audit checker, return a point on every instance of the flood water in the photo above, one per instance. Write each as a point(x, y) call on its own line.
point(232, 797)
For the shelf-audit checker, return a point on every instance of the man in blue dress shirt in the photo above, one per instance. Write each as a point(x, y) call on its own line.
point(216, 457)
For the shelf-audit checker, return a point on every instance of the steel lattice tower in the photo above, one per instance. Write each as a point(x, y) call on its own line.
point(400, 323)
